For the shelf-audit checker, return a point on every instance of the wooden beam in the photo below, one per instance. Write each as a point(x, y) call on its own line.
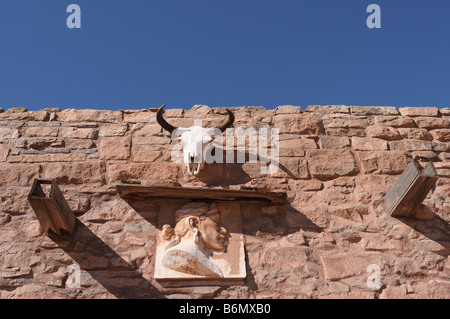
point(126, 190)
point(409, 191)
point(52, 211)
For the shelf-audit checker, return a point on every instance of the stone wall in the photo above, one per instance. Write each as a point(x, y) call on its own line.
point(336, 163)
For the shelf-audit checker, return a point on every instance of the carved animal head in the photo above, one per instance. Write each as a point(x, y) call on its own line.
point(193, 139)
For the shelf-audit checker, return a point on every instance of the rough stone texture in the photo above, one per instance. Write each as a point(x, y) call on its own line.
point(329, 164)
point(115, 148)
point(334, 142)
point(383, 132)
point(335, 164)
point(419, 111)
point(386, 162)
point(368, 144)
point(305, 124)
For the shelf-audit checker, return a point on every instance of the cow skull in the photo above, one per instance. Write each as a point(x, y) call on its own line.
point(193, 139)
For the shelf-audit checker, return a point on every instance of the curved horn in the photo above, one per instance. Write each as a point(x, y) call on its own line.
point(161, 121)
point(229, 121)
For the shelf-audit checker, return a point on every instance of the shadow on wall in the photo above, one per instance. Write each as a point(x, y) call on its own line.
point(105, 266)
point(429, 224)
point(260, 219)
point(234, 172)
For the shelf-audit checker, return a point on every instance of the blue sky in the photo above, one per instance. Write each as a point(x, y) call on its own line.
point(144, 53)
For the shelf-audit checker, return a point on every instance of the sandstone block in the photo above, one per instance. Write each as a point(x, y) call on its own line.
point(299, 144)
point(346, 132)
point(74, 132)
point(36, 131)
point(334, 142)
point(14, 202)
point(382, 162)
point(17, 110)
point(175, 113)
point(444, 156)
point(443, 172)
point(442, 135)
point(75, 144)
point(394, 292)
point(157, 141)
point(107, 208)
point(441, 146)
point(348, 122)
point(18, 174)
point(395, 121)
point(75, 172)
point(12, 114)
point(6, 132)
point(143, 130)
point(112, 130)
point(40, 124)
point(287, 109)
point(339, 266)
point(78, 202)
point(368, 144)
point(40, 143)
point(415, 133)
point(305, 123)
point(305, 185)
point(431, 123)
point(114, 148)
point(328, 109)
point(374, 110)
point(419, 111)
point(293, 168)
point(350, 211)
point(439, 288)
point(424, 155)
point(139, 116)
point(149, 173)
point(384, 132)
point(4, 151)
point(104, 116)
point(411, 145)
point(375, 183)
point(198, 111)
point(327, 164)
point(146, 154)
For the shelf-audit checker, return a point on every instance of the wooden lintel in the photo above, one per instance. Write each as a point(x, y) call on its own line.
point(52, 211)
point(409, 191)
point(127, 190)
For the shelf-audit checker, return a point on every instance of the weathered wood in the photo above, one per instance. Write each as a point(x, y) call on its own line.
point(409, 191)
point(53, 212)
point(126, 190)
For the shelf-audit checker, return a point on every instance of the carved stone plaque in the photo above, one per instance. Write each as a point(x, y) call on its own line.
point(200, 241)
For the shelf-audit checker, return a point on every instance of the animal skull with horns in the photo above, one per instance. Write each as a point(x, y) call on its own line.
point(193, 139)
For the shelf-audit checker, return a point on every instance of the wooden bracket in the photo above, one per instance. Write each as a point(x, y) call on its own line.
point(136, 190)
point(409, 191)
point(52, 211)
